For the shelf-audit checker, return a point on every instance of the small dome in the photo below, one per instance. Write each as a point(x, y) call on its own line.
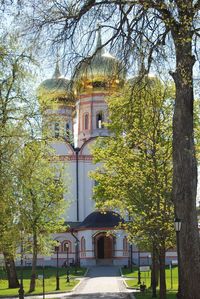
point(102, 70)
point(96, 219)
point(148, 79)
point(57, 88)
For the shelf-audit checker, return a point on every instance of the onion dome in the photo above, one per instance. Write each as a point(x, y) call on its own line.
point(56, 89)
point(97, 219)
point(144, 81)
point(99, 71)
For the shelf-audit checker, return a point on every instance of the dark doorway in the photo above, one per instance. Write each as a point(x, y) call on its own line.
point(104, 247)
point(100, 248)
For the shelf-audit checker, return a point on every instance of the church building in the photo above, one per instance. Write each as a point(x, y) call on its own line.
point(74, 121)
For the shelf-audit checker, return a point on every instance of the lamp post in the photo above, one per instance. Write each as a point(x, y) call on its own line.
point(21, 289)
point(131, 257)
point(43, 280)
point(148, 258)
point(67, 248)
point(139, 274)
point(45, 258)
point(177, 225)
point(57, 266)
point(76, 256)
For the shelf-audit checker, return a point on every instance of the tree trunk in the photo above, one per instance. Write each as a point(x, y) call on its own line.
point(162, 274)
point(154, 272)
point(11, 271)
point(34, 263)
point(185, 168)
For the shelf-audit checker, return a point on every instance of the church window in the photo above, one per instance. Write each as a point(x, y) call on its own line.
point(56, 130)
point(98, 84)
point(83, 247)
point(99, 120)
point(86, 121)
point(67, 130)
point(96, 183)
point(67, 126)
point(125, 246)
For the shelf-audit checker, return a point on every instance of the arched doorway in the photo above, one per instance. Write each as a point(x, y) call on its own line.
point(103, 246)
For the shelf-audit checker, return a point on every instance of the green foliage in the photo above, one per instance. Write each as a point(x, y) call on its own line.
point(25, 170)
point(40, 191)
point(15, 64)
point(136, 174)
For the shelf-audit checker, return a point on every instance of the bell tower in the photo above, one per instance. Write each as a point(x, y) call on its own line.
point(97, 77)
point(57, 106)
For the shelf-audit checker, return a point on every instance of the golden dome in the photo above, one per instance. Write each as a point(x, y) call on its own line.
point(148, 80)
point(100, 71)
point(56, 89)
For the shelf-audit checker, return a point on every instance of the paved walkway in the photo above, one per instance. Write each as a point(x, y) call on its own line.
point(102, 282)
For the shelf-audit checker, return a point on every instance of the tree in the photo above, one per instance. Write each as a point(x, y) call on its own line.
point(40, 196)
point(137, 166)
point(13, 116)
point(160, 23)
point(18, 117)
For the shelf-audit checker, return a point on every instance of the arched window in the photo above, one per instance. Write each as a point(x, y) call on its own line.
point(96, 183)
point(99, 120)
point(86, 121)
point(56, 130)
point(67, 127)
point(83, 247)
point(125, 246)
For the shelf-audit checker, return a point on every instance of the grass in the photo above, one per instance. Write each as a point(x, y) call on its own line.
point(50, 281)
point(171, 281)
point(148, 295)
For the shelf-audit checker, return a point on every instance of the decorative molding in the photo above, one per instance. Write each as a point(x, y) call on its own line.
point(93, 102)
point(91, 95)
point(99, 230)
point(72, 158)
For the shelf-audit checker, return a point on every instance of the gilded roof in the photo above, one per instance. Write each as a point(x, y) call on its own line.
point(101, 67)
point(55, 88)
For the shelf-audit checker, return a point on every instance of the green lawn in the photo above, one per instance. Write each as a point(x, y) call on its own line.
point(50, 281)
point(148, 295)
point(172, 284)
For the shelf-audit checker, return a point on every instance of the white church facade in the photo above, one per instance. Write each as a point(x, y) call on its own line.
point(74, 121)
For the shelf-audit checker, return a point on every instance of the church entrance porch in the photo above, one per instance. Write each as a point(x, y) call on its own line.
point(103, 248)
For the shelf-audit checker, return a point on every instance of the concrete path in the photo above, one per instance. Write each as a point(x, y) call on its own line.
point(103, 282)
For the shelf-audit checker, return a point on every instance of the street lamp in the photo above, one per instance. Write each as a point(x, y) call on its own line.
point(76, 256)
point(45, 258)
point(139, 274)
point(21, 289)
point(148, 258)
point(67, 248)
point(177, 225)
point(131, 257)
point(57, 266)
point(43, 280)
